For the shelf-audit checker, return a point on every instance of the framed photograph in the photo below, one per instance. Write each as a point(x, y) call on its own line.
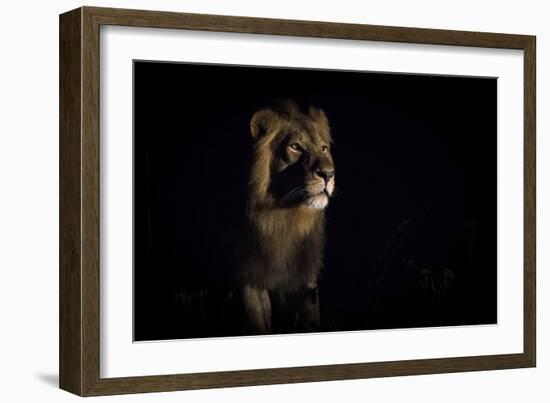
point(249, 201)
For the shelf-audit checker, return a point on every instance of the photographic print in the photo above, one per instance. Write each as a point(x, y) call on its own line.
point(270, 200)
point(251, 201)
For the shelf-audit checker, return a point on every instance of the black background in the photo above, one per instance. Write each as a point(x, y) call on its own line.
point(411, 232)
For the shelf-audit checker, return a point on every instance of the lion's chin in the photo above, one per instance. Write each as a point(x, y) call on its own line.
point(319, 201)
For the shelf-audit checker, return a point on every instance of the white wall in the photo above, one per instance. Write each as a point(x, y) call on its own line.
point(29, 197)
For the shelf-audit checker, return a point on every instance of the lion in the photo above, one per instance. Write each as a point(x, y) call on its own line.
point(291, 179)
point(258, 217)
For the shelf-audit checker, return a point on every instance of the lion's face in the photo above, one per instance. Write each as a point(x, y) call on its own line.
point(294, 157)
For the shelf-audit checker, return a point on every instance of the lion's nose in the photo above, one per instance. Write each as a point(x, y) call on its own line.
point(326, 174)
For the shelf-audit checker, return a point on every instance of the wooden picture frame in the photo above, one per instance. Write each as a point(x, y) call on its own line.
point(79, 201)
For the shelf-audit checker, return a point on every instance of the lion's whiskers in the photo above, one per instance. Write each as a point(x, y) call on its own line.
point(293, 194)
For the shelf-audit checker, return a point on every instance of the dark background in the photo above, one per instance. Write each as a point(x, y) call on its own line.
point(411, 232)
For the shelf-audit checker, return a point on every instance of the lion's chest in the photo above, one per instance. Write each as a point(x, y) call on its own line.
point(282, 261)
point(283, 254)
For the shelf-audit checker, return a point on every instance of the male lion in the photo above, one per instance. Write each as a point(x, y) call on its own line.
point(290, 182)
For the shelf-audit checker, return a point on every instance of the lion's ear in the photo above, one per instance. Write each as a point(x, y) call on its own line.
point(262, 122)
point(318, 116)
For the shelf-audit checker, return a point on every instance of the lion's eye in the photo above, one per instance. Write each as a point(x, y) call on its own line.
point(294, 147)
point(324, 149)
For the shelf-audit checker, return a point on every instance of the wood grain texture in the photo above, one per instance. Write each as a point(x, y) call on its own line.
point(70, 313)
point(90, 201)
point(529, 209)
point(160, 383)
point(80, 196)
point(221, 23)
